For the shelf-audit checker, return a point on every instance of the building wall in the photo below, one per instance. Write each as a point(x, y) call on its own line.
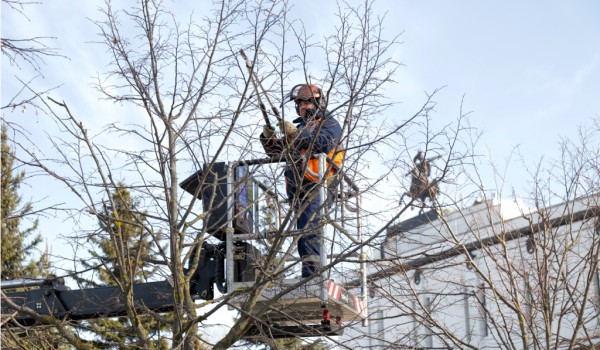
point(506, 295)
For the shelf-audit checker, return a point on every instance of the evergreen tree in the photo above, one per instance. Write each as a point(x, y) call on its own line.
point(18, 244)
point(124, 246)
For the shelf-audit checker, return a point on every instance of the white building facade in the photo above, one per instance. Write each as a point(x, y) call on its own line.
point(490, 276)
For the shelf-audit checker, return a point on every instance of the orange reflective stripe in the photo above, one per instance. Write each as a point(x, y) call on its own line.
point(312, 169)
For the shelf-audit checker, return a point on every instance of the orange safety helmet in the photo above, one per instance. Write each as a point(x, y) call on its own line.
point(308, 92)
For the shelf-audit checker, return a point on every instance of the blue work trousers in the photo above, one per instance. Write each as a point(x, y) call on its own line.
point(306, 201)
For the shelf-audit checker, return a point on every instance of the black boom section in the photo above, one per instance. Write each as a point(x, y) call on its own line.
point(107, 301)
point(88, 303)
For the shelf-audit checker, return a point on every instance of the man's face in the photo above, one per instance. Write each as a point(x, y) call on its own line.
point(305, 105)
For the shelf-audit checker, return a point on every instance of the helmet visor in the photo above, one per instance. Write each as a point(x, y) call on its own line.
point(305, 92)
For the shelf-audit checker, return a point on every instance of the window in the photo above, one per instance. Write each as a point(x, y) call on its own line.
point(428, 333)
point(483, 312)
point(468, 330)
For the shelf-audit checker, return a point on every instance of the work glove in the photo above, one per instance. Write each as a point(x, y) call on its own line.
point(268, 131)
point(288, 128)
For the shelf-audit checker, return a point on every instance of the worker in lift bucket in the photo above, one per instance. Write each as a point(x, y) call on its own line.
point(314, 132)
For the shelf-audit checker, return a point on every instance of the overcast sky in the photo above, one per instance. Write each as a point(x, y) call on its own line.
point(528, 70)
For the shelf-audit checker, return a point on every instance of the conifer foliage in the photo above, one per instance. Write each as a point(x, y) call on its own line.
point(18, 244)
point(123, 249)
point(18, 248)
